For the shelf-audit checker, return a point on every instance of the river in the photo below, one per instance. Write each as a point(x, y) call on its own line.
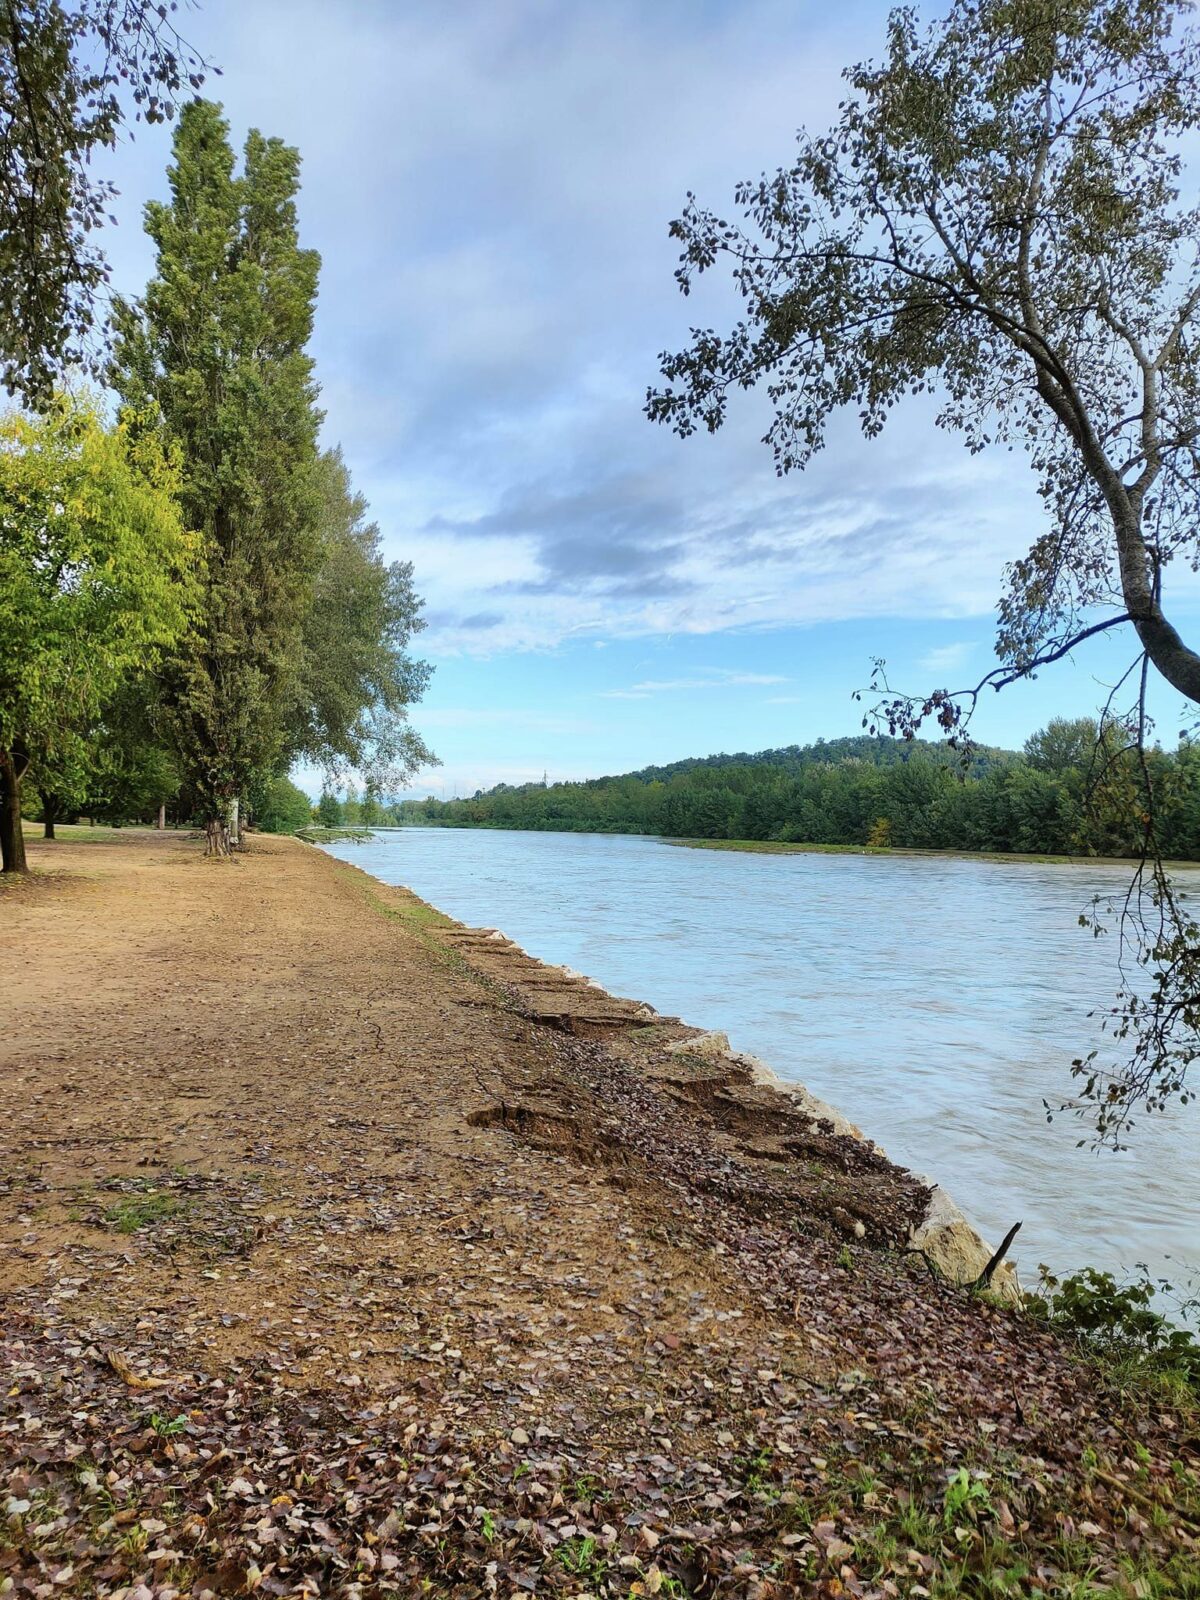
point(937, 1001)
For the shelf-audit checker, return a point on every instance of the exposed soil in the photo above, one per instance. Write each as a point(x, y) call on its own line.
point(345, 1250)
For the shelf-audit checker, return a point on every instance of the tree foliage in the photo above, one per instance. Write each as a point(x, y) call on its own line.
point(278, 806)
point(859, 792)
point(66, 71)
point(355, 679)
point(218, 345)
point(98, 577)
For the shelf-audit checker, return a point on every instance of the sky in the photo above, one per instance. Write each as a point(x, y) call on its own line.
point(490, 184)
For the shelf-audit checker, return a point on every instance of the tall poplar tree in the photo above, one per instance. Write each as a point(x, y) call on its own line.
point(219, 343)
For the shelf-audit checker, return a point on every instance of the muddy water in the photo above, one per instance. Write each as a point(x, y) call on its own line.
point(936, 1001)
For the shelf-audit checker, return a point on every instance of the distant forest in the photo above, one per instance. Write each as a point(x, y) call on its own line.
point(1070, 791)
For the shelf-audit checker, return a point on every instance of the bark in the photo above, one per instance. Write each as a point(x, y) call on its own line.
point(12, 839)
point(49, 814)
point(161, 820)
point(216, 839)
point(1176, 661)
point(235, 832)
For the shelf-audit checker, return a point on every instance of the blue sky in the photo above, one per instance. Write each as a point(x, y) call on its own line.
point(489, 184)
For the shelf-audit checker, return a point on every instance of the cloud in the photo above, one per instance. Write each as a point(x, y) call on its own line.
point(946, 657)
point(709, 678)
point(491, 206)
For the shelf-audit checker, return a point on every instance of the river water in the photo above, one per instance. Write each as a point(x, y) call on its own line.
point(936, 1001)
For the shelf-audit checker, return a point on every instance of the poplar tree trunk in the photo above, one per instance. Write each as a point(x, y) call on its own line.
point(12, 839)
point(235, 831)
point(161, 819)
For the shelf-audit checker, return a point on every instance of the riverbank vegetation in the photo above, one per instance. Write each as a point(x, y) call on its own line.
point(192, 596)
point(1066, 793)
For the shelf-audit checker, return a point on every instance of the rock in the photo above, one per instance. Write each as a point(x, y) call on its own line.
point(519, 1436)
point(957, 1251)
point(708, 1046)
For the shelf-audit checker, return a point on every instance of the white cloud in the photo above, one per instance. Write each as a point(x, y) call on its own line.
point(946, 657)
point(709, 678)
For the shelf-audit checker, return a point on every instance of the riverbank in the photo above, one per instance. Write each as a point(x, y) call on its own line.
point(348, 1250)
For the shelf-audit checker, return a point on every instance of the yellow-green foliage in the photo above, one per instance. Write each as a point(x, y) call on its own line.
point(97, 572)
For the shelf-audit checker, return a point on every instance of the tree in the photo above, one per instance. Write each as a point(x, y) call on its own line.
point(329, 809)
point(64, 71)
point(97, 580)
point(279, 806)
point(355, 679)
point(130, 770)
point(997, 216)
point(218, 345)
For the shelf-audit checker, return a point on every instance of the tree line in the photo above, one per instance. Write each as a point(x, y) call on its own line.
point(1073, 790)
point(192, 595)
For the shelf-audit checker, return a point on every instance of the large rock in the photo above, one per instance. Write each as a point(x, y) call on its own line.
point(951, 1244)
point(708, 1046)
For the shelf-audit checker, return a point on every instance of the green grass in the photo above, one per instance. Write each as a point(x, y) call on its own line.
point(134, 1211)
point(83, 833)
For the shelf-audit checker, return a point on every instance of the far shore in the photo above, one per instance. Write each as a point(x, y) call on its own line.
point(772, 847)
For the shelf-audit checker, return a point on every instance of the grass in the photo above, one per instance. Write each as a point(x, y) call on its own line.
point(141, 1208)
point(83, 833)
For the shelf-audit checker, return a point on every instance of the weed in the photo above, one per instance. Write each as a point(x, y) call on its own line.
point(487, 1525)
point(581, 1558)
point(1115, 1324)
point(167, 1428)
point(143, 1210)
point(965, 1494)
point(134, 1543)
point(754, 1469)
point(845, 1257)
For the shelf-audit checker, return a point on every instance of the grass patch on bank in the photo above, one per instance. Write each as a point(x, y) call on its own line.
point(88, 833)
point(320, 835)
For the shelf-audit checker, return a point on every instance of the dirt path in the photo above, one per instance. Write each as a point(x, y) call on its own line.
point(344, 1251)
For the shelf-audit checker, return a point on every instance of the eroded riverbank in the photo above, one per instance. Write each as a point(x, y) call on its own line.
point(338, 1260)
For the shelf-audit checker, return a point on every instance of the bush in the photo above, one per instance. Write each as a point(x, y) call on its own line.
point(1116, 1323)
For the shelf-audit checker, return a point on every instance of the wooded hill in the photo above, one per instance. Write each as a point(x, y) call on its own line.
point(1071, 790)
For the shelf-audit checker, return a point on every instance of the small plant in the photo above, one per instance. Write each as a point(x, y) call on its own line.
point(580, 1557)
point(845, 1257)
point(134, 1543)
point(168, 1427)
point(134, 1211)
point(487, 1525)
point(965, 1496)
point(755, 1470)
